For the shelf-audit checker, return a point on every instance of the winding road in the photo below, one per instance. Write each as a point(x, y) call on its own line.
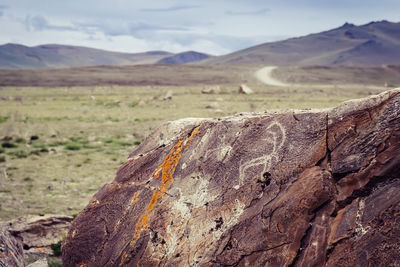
point(264, 75)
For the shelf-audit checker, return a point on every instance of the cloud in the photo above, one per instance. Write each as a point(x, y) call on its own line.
point(170, 9)
point(119, 28)
point(40, 23)
point(146, 30)
point(2, 8)
point(248, 13)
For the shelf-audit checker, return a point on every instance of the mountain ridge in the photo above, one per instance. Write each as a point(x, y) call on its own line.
point(184, 57)
point(374, 43)
point(17, 56)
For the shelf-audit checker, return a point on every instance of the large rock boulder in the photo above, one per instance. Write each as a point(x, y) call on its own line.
point(300, 188)
point(244, 89)
point(39, 231)
point(11, 254)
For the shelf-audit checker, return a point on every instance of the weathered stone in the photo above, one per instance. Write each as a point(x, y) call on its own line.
point(39, 231)
point(302, 188)
point(212, 105)
point(244, 89)
point(168, 95)
point(42, 262)
point(11, 254)
point(211, 90)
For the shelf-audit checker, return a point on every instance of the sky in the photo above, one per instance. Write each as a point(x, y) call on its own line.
point(212, 26)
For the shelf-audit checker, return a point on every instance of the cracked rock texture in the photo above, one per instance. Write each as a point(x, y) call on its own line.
point(301, 188)
point(11, 254)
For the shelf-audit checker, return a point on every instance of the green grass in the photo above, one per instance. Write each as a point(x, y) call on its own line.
point(18, 153)
point(57, 143)
point(56, 248)
point(9, 145)
point(3, 119)
point(54, 263)
point(72, 146)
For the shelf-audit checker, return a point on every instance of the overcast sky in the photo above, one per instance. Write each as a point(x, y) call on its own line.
point(212, 26)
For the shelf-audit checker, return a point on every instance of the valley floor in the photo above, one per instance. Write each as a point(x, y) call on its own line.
point(60, 144)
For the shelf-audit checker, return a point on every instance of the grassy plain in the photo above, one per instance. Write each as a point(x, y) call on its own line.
point(60, 144)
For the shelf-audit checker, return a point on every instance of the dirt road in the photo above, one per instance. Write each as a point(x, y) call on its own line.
point(264, 75)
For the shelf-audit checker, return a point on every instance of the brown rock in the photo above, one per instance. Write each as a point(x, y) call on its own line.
point(168, 95)
point(303, 188)
point(212, 105)
point(39, 231)
point(244, 89)
point(11, 253)
point(42, 262)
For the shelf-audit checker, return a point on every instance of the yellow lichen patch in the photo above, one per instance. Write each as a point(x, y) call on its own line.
point(123, 258)
point(117, 225)
point(93, 202)
point(166, 169)
point(190, 139)
point(140, 225)
point(41, 250)
point(135, 198)
point(74, 232)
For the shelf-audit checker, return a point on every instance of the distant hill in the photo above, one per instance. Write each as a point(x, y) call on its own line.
point(184, 57)
point(15, 56)
point(372, 44)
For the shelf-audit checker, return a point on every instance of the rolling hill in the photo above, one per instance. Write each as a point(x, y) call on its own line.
point(371, 44)
point(15, 56)
point(184, 57)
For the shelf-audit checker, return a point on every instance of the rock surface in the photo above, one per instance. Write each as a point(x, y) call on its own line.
point(42, 262)
point(11, 254)
point(37, 231)
point(301, 188)
point(244, 89)
point(211, 90)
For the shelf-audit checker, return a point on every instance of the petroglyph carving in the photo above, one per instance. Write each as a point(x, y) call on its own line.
point(275, 138)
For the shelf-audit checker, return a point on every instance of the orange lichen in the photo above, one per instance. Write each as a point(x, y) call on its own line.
point(190, 139)
point(135, 198)
point(93, 202)
point(10, 254)
point(166, 169)
point(123, 258)
point(74, 232)
point(140, 225)
point(117, 225)
point(1, 255)
point(82, 264)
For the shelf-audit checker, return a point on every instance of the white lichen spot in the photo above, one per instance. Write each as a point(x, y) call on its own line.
point(360, 229)
point(224, 152)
